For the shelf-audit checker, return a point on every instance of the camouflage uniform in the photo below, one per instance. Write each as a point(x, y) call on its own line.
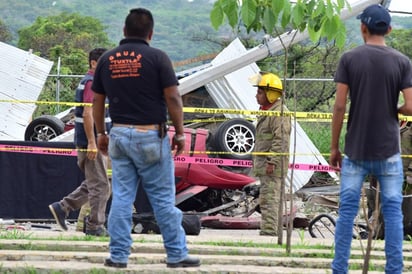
point(270, 137)
point(406, 148)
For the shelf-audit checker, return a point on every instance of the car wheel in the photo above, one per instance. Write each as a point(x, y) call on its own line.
point(235, 137)
point(43, 129)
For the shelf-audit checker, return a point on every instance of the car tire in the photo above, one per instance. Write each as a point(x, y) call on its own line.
point(235, 138)
point(44, 128)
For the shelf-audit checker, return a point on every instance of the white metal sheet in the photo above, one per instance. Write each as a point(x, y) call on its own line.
point(233, 91)
point(22, 77)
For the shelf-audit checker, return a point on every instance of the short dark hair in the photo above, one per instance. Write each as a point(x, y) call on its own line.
point(95, 54)
point(139, 23)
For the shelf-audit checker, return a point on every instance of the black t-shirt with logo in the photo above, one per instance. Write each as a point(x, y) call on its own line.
point(133, 76)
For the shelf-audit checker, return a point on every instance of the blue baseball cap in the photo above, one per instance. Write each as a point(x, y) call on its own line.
point(376, 18)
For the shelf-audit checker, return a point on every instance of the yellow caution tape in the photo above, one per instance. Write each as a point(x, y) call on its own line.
point(309, 116)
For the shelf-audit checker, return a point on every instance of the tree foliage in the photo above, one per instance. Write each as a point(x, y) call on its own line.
point(319, 18)
point(176, 21)
point(66, 31)
point(65, 39)
point(400, 40)
point(5, 34)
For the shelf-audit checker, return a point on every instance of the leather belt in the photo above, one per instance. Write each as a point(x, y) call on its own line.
point(138, 127)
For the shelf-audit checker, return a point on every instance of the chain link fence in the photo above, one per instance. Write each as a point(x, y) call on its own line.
point(301, 95)
point(308, 96)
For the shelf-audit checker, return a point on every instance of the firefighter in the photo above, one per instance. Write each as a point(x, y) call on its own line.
point(271, 157)
point(406, 148)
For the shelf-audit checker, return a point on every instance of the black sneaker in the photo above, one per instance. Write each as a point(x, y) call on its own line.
point(59, 214)
point(187, 262)
point(108, 262)
point(101, 232)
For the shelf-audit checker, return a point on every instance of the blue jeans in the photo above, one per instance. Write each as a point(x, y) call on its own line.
point(141, 158)
point(390, 177)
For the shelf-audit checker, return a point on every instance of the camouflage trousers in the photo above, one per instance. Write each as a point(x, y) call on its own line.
point(269, 203)
point(406, 150)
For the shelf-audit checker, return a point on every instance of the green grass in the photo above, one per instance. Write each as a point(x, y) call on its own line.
point(320, 133)
point(14, 234)
point(302, 249)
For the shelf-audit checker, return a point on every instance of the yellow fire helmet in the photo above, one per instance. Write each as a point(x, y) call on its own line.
point(270, 82)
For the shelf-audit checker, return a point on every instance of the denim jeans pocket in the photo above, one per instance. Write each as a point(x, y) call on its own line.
point(350, 167)
point(392, 165)
point(150, 151)
point(114, 148)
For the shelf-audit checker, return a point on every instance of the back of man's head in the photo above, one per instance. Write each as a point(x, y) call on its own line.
point(95, 54)
point(139, 23)
point(376, 18)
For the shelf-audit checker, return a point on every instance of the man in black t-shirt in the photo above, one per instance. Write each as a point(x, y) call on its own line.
point(141, 86)
point(372, 76)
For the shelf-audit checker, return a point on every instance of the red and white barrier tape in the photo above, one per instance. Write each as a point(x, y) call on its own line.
point(245, 163)
point(177, 159)
point(39, 150)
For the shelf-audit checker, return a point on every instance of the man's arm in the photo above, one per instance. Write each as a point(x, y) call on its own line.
point(99, 111)
point(98, 116)
point(406, 108)
point(88, 124)
point(339, 110)
point(175, 109)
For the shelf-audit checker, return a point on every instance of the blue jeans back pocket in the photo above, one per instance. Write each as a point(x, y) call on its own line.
point(150, 151)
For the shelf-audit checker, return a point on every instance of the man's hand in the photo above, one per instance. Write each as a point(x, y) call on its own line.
point(179, 145)
point(335, 159)
point(270, 168)
point(92, 151)
point(103, 143)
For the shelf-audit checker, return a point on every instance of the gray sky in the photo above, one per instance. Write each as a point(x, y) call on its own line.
point(396, 5)
point(401, 5)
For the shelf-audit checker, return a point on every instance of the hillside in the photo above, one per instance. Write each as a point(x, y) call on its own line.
point(182, 27)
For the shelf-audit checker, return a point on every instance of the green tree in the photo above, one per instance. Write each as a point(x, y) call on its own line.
point(5, 34)
point(321, 18)
point(64, 39)
point(400, 40)
point(67, 31)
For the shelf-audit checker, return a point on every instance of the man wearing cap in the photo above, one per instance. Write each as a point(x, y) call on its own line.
point(372, 76)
